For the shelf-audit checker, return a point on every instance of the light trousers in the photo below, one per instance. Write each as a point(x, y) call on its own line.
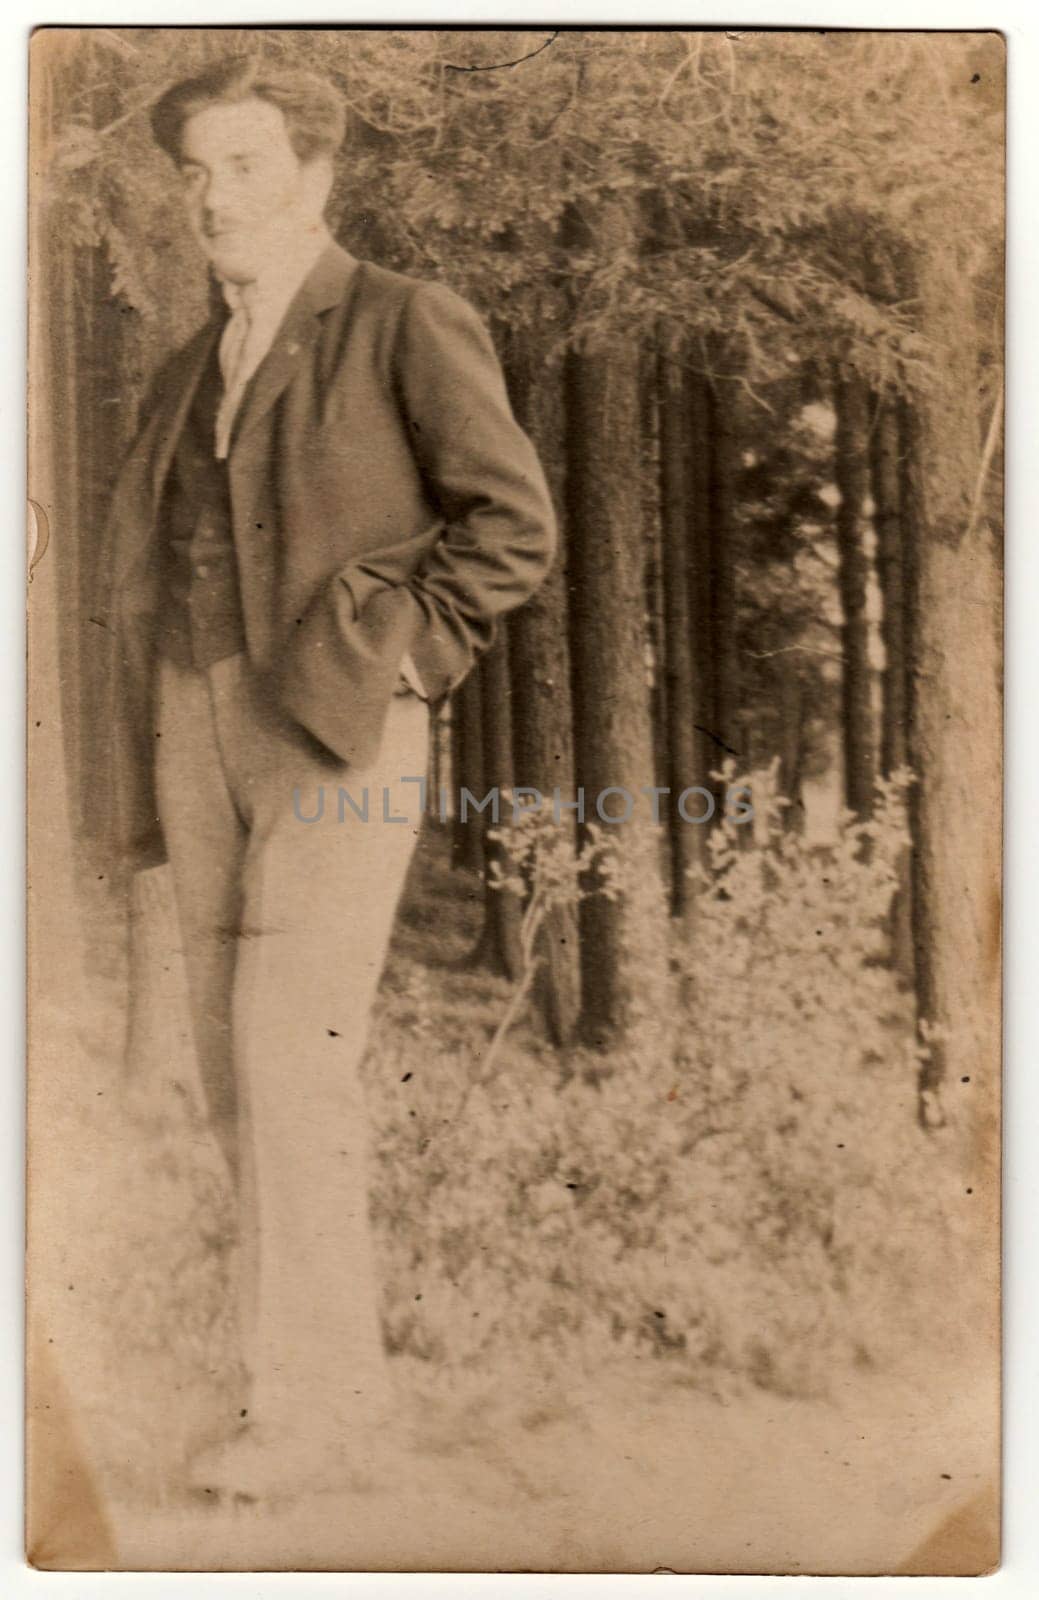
point(287, 869)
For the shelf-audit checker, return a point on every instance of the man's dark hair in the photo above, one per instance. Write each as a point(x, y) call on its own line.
point(313, 108)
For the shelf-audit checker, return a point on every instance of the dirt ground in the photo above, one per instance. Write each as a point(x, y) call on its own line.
point(637, 1478)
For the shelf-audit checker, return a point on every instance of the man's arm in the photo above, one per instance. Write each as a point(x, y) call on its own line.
point(491, 551)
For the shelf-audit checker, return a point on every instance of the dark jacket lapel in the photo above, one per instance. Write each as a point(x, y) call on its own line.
point(138, 492)
point(175, 402)
point(148, 467)
point(324, 286)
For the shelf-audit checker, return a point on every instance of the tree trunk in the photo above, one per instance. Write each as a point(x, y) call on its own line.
point(682, 647)
point(955, 717)
point(791, 755)
point(80, 344)
point(853, 576)
point(654, 581)
point(622, 940)
point(891, 574)
point(467, 772)
point(887, 522)
point(499, 946)
point(539, 656)
point(724, 734)
point(701, 615)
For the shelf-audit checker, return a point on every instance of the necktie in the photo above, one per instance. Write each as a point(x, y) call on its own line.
point(233, 368)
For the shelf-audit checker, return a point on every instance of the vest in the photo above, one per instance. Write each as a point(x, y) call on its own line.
point(201, 621)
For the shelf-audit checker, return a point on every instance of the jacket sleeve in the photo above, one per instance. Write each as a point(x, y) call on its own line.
point(491, 547)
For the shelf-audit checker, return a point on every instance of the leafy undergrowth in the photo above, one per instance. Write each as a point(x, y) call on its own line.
point(748, 1195)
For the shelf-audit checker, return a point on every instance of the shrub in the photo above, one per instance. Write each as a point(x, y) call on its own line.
point(748, 1192)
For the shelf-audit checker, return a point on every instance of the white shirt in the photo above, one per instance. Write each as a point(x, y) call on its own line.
point(257, 312)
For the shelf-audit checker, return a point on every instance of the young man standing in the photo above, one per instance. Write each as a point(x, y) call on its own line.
point(327, 508)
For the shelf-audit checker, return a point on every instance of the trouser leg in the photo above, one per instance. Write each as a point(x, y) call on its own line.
point(318, 905)
point(205, 840)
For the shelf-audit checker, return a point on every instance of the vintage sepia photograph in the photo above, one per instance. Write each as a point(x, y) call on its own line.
point(515, 800)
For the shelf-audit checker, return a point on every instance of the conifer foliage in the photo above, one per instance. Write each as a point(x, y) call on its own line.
point(747, 291)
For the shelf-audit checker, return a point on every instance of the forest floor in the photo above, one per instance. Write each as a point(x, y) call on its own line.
point(593, 1462)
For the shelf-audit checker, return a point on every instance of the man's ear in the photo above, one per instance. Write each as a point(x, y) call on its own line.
point(317, 183)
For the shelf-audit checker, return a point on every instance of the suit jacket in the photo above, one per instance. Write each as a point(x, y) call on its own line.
point(384, 501)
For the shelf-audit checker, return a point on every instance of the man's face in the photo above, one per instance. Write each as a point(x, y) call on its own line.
point(247, 191)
